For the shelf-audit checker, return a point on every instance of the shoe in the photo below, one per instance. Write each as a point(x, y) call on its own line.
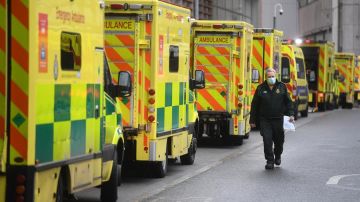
point(269, 166)
point(277, 161)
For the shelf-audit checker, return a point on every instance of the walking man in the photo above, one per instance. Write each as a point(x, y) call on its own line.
point(270, 103)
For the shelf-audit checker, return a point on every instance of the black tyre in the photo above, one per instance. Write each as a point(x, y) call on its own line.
point(296, 110)
point(350, 105)
point(60, 190)
point(109, 188)
point(160, 167)
point(305, 112)
point(321, 107)
point(234, 140)
point(189, 158)
point(247, 135)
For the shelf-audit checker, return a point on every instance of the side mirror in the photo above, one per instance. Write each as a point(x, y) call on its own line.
point(124, 84)
point(255, 76)
point(199, 79)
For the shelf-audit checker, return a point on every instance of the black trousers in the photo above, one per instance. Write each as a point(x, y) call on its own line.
point(272, 131)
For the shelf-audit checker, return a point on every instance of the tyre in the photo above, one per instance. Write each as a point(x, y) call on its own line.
point(189, 158)
point(234, 140)
point(160, 167)
point(60, 190)
point(247, 135)
point(305, 112)
point(321, 107)
point(109, 188)
point(349, 105)
point(296, 110)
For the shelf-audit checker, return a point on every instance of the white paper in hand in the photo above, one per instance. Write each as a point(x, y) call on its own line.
point(288, 126)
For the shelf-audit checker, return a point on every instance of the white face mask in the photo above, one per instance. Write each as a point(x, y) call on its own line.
point(271, 81)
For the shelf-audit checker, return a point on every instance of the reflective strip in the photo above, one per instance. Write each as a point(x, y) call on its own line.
point(19, 87)
point(120, 50)
point(214, 60)
point(321, 77)
point(3, 73)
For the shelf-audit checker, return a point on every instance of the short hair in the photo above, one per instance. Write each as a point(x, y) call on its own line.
point(270, 70)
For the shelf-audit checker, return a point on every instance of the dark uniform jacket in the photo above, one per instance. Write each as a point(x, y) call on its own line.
point(271, 104)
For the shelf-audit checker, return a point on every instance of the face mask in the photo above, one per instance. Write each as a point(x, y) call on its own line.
point(271, 81)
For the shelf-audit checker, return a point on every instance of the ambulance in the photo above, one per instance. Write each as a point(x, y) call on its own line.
point(266, 52)
point(222, 49)
point(320, 71)
point(149, 43)
point(357, 81)
point(293, 74)
point(60, 132)
point(346, 65)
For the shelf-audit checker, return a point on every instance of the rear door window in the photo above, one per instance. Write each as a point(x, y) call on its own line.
point(300, 68)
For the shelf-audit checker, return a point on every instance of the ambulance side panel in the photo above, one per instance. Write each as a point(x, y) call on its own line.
point(3, 96)
point(56, 98)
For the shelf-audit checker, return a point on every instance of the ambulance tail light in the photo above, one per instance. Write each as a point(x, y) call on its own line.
point(151, 118)
point(151, 92)
point(240, 105)
point(152, 101)
point(240, 86)
point(240, 92)
point(218, 26)
point(308, 41)
point(20, 188)
point(117, 6)
point(151, 109)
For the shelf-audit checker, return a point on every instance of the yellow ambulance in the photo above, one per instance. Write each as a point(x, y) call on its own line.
point(320, 71)
point(266, 53)
point(60, 132)
point(149, 43)
point(357, 81)
point(293, 74)
point(346, 65)
point(222, 49)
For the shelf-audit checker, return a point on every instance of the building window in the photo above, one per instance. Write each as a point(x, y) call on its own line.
point(70, 51)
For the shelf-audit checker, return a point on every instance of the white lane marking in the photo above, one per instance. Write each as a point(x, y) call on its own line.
point(335, 179)
point(334, 182)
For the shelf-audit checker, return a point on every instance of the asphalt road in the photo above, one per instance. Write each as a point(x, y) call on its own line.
point(320, 163)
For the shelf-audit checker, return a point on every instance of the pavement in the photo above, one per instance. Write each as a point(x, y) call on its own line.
point(320, 163)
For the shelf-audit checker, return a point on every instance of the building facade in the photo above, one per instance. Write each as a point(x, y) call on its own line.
point(332, 20)
point(244, 10)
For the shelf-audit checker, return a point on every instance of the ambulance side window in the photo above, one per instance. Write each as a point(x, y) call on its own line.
point(174, 59)
point(285, 70)
point(70, 51)
point(300, 68)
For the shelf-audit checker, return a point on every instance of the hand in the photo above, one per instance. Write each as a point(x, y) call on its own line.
point(292, 119)
point(253, 125)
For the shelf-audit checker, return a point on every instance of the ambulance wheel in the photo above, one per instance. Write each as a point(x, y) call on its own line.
point(305, 112)
point(321, 107)
point(189, 158)
point(60, 190)
point(296, 109)
point(160, 167)
point(235, 140)
point(247, 135)
point(109, 188)
point(349, 106)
